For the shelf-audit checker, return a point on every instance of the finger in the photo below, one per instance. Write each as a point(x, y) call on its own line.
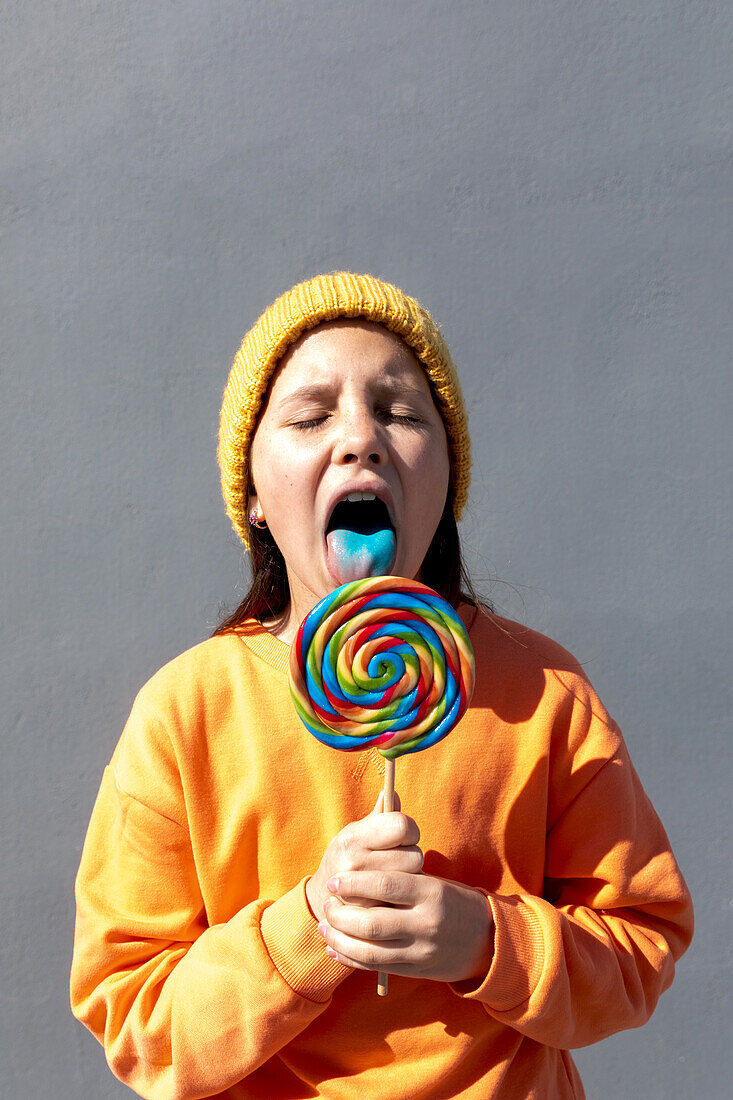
point(388, 887)
point(363, 954)
point(408, 859)
point(375, 924)
point(346, 961)
point(384, 966)
point(381, 831)
point(379, 804)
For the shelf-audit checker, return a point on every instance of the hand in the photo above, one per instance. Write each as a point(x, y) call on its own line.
point(419, 926)
point(379, 842)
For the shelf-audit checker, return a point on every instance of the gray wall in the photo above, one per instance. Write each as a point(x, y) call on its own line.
point(554, 181)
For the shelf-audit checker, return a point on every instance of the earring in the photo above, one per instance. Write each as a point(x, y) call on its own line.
point(260, 524)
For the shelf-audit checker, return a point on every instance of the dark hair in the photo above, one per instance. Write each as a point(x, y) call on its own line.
point(443, 569)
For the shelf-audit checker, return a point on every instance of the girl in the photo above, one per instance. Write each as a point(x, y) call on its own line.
point(238, 886)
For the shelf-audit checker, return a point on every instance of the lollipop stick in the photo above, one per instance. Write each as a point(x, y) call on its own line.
point(383, 979)
point(388, 785)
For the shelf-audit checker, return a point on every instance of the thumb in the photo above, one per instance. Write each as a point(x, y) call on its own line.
point(379, 804)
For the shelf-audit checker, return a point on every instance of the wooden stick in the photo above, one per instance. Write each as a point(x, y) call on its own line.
point(383, 979)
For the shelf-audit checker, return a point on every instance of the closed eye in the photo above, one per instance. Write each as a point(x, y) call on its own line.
point(387, 414)
point(403, 418)
point(314, 422)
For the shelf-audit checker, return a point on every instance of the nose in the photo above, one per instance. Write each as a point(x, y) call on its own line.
point(360, 440)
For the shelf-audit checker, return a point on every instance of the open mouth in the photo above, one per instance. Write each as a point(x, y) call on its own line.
point(364, 516)
point(360, 538)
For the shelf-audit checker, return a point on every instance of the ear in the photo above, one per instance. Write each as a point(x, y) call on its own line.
point(254, 508)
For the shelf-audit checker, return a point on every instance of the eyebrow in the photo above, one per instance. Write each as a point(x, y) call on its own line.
point(305, 393)
point(316, 390)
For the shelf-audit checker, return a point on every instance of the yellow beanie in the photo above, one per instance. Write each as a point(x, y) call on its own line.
point(325, 298)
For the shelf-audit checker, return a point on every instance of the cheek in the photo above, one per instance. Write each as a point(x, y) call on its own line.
point(429, 478)
point(433, 473)
point(282, 475)
point(266, 466)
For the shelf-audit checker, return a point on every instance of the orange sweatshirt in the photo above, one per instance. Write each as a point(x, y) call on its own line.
point(198, 964)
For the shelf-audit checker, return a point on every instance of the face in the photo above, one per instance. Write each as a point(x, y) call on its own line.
point(348, 410)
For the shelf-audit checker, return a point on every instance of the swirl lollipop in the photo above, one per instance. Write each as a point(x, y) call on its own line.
point(383, 663)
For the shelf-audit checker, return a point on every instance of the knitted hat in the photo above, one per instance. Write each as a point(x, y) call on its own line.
point(308, 304)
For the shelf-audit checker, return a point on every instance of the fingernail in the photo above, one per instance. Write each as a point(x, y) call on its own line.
point(330, 951)
point(326, 904)
point(333, 885)
point(322, 927)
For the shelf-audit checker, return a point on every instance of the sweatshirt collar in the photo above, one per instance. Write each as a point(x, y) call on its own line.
point(265, 645)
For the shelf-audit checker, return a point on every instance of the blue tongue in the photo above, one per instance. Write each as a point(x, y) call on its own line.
point(356, 555)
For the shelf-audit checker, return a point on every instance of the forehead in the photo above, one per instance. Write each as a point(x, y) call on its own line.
point(331, 350)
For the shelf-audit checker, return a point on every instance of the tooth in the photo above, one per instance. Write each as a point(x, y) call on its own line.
point(353, 497)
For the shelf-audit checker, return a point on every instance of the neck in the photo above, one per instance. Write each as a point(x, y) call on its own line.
point(284, 627)
point(302, 601)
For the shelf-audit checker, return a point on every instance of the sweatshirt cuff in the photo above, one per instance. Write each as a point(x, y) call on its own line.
point(297, 949)
point(518, 958)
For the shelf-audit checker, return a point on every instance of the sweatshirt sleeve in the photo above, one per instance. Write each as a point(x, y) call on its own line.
point(592, 955)
point(183, 1009)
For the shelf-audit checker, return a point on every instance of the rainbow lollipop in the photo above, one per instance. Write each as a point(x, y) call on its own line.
point(382, 663)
